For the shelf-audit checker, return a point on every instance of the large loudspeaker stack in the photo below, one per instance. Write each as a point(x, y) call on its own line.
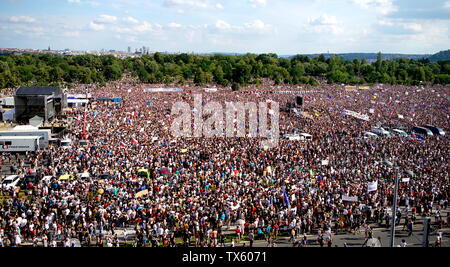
point(299, 101)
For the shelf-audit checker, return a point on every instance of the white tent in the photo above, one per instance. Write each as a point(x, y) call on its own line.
point(25, 128)
point(9, 115)
point(36, 121)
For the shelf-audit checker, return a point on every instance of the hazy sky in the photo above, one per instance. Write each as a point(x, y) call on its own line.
point(257, 26)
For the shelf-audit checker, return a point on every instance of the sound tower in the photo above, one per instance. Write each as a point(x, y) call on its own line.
point(299, 101)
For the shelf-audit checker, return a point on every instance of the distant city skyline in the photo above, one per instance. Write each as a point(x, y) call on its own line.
point(283, 27)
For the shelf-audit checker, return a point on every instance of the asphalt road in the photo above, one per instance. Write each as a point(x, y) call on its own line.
point(415, 240)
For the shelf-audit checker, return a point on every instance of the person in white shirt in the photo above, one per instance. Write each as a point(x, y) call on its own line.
point(403, 244)
point(45, 241)
point(1, 238)
point(18, 240)
point(439, 239)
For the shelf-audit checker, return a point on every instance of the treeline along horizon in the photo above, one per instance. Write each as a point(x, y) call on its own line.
point(225, 70)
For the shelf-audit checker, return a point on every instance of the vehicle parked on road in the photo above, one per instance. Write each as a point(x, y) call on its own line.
point(47, 179)
point(381, 132)
point(435, 130)
point(370, 135)
point(422, 131)
point(66, 177)
point(84, 175)
point(105, 176)
point(398, 132)
point(11, 181)
point(306, 137)
point(292, 137)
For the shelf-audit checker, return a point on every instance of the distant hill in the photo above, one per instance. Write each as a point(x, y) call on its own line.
point(441, 56)
point(371, 56)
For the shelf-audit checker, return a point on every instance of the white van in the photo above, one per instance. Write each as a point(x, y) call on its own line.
point(398, 132)
point(66, 143)
point(306, 137)
point(370, 135)
point(381, 132)
point(11, 144)
point(10, 182)
point(27, 130)
point(47, 179)
point(292, 137)
point(84, 175)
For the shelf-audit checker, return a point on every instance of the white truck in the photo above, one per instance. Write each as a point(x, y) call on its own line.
point(19, 143)
point(45, 134)
point(7, 102)
point(381, 132)
point(10, 182)
point(298, 137)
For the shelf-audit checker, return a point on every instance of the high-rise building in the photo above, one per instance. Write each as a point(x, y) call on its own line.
point(129, 50)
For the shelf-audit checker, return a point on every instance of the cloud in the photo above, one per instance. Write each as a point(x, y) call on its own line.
point(259, 26)
point(130, 20)
point(253, 27)
point(325, 24)
point(187, 3)
point(447, 4)
point(398, 27)
point(105, 19)
point(257, 3)
point(25, 30)
point(419, 9)
point(222, 25)
point(22, 19)
point(324, 20)
point(383, 7)
point(182, 5)
point(79, 2)
point(174, 25)
point(72, 34)
point(96, 27)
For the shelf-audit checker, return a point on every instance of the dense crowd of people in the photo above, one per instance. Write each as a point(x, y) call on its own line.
point(197, 188)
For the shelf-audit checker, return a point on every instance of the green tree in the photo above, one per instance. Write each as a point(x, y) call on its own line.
point(113, 72)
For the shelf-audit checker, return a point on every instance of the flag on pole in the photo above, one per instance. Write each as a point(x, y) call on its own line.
point(286, 199)
point(122, 144)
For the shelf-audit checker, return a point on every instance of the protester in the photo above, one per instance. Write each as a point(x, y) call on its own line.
point(199, 187)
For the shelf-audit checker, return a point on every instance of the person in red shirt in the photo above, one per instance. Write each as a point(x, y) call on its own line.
point(238, 234)
point(276, 229)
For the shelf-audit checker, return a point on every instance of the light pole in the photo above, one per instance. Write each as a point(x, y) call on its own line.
point(426, 231)
point(394, 205)
point(394, 211)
